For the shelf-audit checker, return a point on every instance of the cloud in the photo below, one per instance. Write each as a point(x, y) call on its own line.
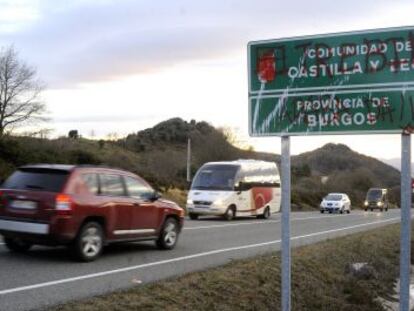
point(105, 118)
point(83, 41)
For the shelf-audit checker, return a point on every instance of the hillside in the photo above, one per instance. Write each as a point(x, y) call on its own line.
point(164, 148)
point(336, 168)
point(338, 157)
point(159, 155)
point(396, 162)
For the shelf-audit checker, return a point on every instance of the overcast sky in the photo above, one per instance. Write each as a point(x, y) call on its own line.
point(122, 66)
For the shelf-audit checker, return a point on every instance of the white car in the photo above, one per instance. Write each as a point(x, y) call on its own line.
point(336, 202)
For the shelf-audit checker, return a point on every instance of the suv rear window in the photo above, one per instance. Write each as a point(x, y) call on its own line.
point(91, 182)
point(37, 179)
point(111, 185)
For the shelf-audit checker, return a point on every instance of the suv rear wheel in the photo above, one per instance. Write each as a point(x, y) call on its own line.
point(17, 245)
point(89, 242)
point(169, 234)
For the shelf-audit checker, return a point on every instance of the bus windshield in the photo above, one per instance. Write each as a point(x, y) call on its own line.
point(215, 177)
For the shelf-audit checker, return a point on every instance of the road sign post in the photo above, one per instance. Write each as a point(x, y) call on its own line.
point(346, 83)
point(405, 246)
point(286, 264)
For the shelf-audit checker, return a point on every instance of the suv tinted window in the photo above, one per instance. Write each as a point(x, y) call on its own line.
point(137, 188)
point(37, 179)
point(91, 182)
point(111, 185)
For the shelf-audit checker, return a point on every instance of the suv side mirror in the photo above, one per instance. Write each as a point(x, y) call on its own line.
point(157, 195)
point(153, 196)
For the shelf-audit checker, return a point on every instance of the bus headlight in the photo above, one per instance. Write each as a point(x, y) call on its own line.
point(190, 202)
point(366, 203)
point(218, 202)
point(379, 204)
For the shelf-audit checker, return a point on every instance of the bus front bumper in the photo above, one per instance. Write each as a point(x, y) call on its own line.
point(199, 210)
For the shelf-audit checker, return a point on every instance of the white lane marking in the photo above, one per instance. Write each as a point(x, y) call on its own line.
point(267, 221)
point(231, 225)
point(162, 262)
point(345, 228)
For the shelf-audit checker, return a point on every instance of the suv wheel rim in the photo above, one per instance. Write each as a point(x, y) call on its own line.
point(170, 234)
point(91, 242)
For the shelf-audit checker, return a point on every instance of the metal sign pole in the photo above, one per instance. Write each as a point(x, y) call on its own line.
point(405, 238)
point(189, 160)
point(285, 170)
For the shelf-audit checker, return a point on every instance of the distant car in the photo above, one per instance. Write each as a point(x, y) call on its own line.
point(85, 208)
point(336, 202)
point(377, 198)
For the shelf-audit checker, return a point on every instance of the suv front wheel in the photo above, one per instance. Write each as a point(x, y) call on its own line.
point(169, 234)
point(89, 242)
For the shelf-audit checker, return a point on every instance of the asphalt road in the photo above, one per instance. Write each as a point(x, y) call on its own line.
point(45, 276)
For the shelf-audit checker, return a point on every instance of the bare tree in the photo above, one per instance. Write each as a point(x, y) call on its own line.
point(19, 92)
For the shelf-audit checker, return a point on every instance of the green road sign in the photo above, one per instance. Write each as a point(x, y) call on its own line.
point(343, 112)
point(333, 72)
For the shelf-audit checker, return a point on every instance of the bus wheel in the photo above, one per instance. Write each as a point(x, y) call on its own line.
point(230, 213)
point(266, 213)
point(193, 216)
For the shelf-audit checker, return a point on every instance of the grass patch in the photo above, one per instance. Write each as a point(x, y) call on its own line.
point(319, 281)
point(179, 196)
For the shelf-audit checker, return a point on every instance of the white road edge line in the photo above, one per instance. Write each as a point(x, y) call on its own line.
point(157, 263)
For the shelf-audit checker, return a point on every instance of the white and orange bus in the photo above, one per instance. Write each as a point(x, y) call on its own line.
point(235, 188)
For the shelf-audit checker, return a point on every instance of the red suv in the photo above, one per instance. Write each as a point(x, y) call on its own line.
point(85, 208)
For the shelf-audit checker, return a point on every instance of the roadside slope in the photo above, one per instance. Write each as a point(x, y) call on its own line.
point(319, 281)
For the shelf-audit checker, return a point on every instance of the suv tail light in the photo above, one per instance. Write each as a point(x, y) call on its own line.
point(63, 204)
